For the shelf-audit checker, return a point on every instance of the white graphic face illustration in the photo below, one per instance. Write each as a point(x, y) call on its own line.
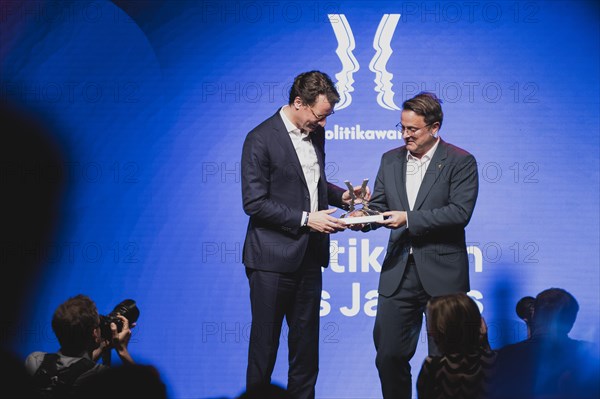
point(350, 65)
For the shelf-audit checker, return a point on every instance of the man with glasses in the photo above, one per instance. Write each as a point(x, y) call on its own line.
point(286, 194)
point(427, 190)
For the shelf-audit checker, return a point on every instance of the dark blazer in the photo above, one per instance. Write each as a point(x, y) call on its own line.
point(436, 225)
point(545, 366)
point(275, 194)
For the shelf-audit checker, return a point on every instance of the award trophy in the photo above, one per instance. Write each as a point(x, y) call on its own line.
point(364, 214)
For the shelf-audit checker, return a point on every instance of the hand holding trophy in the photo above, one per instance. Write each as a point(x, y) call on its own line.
point(364, 214)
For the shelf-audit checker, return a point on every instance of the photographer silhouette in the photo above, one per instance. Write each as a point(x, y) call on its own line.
point(76, 324)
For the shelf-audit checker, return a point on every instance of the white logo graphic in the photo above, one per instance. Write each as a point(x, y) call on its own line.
point(383, 51)
point(345, 39)
point(381, 44)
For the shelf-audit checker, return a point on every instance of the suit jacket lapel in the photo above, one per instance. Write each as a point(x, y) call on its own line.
point(319, 152)
point(283, 138)
point(318, 142)
point(434, 171)
point(400, 174)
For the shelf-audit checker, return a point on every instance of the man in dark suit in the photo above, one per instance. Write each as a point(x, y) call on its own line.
point(427, 190)
point(286, 194)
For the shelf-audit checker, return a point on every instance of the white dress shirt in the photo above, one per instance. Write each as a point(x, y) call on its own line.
point(415, 172)
point(416, 168)
point(308, 160)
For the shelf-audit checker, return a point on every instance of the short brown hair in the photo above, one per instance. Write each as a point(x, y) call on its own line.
point(454, 322)
point(554, 308)
point(426, 104)
point(73, 324)
point(309, 85)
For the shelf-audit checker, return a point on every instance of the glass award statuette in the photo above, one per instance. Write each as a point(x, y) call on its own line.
point(364, 214)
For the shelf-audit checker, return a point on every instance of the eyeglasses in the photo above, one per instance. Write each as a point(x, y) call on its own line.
point(319, 118)
point(410, 130)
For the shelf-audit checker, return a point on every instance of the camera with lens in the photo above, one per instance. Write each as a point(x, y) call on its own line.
point(127, 309)
point(524, 308)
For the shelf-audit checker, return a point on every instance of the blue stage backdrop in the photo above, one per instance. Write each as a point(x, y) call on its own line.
point(151, 101)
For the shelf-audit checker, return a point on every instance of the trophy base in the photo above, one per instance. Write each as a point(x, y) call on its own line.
point(362, 219)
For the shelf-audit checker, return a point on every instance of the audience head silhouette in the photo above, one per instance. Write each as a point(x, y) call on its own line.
point(129, 381)
point(455, 323)
point(33, 183)
point(549, 364)
point(555, 311)
point(460, 333)
point(75, 324)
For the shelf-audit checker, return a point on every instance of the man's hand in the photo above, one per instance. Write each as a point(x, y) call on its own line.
point(323, 223)
point(104, 344)
point(394, 219)
point(346, 197)
point(120, 340)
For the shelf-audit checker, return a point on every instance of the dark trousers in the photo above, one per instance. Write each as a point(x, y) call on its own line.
point(297, 297)
point(396, 333)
